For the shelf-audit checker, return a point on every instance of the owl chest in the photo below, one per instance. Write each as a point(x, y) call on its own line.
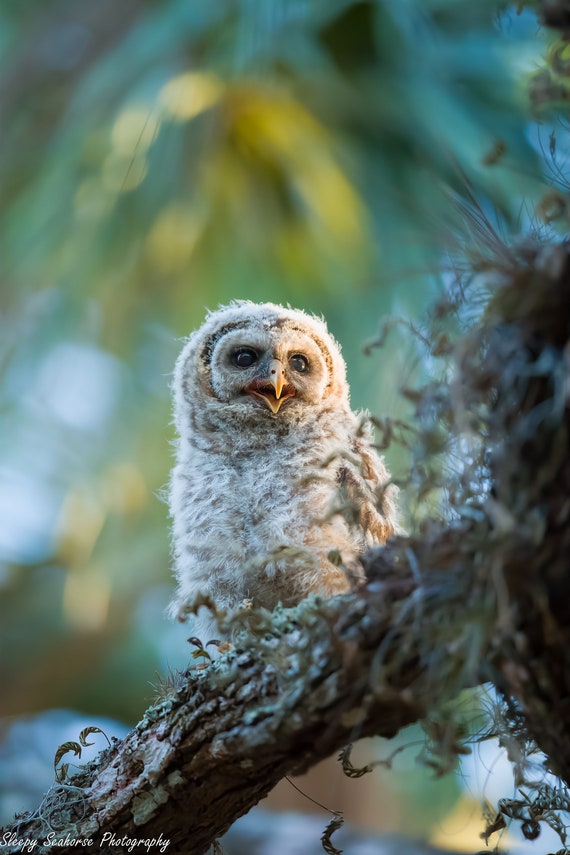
point(259, 503)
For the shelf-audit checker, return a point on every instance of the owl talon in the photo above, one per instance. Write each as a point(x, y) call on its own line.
point(224, 646)
point(221, 646)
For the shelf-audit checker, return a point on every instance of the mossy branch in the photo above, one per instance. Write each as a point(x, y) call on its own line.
point(316, 677)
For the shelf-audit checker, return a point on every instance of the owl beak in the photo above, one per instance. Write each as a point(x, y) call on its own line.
point(281, 391)
point(277, 377)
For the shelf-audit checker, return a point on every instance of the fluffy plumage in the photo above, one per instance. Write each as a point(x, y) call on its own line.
point(277, 488)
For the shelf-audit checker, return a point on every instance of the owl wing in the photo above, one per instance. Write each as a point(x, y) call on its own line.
point(369, 496)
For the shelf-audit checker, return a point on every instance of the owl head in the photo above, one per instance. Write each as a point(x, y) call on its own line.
point(258, 363)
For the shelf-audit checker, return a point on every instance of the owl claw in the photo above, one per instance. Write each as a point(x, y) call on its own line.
point(221, 646)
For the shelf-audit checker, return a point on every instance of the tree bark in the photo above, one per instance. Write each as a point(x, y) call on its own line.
point(486, 598)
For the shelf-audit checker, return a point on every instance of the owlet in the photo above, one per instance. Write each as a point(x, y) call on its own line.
point(277, 487)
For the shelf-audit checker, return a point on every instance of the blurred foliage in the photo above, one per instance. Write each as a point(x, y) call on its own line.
point(160, 156)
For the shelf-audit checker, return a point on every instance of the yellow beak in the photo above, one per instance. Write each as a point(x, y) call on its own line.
point(275, 379)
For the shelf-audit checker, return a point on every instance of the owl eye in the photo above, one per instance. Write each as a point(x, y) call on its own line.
point(299, 363)
point(244, 357)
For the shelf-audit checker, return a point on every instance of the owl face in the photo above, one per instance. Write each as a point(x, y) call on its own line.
point(260, 362)
point(268, 368)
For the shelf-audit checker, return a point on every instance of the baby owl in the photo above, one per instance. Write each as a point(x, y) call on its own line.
point(277, 488)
